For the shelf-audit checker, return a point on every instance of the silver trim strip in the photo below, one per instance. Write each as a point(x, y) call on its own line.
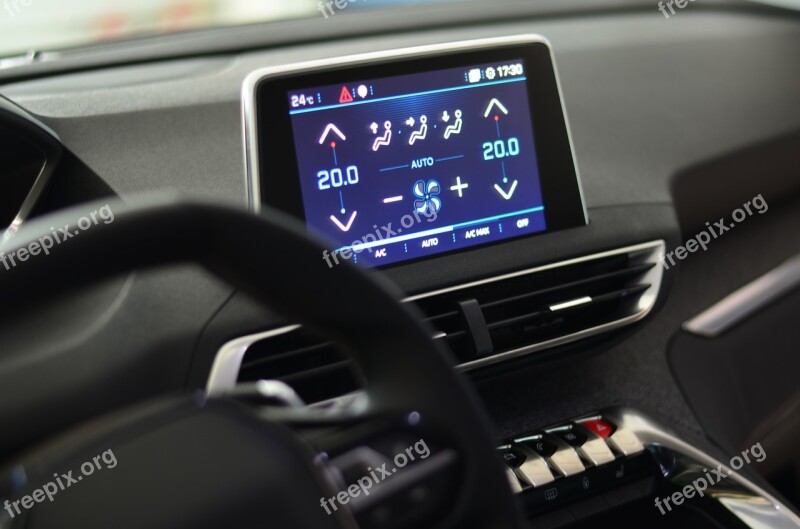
point(746, 301)
point(569, 304)
point(758, 513)
point(28, 203)
point(776, 514)
point(249, 104)
point(228, 361)
point(643, 247)
point(36, 189)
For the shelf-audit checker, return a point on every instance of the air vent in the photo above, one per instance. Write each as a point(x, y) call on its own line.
point(482, 322)
point(317, 370)
point(503, 317)
point(30, 152)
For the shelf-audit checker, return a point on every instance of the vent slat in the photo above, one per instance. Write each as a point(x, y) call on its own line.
point(524, 318)
point(316, 369)
point(254, 362)
point(619, 274)
point(517, 320)
point(633, 291)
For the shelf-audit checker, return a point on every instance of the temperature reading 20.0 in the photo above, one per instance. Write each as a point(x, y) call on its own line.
point(336, 178)
point(500, 149)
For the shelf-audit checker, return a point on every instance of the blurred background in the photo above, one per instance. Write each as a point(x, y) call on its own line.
point(48, 24)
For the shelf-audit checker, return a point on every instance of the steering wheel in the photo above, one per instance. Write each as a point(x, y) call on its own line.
point(196, 461)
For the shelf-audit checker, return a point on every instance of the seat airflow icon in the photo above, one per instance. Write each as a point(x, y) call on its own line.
point(420, 134)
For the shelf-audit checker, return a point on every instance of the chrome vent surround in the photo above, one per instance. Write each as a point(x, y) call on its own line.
point(30, 152)
point(482, 322)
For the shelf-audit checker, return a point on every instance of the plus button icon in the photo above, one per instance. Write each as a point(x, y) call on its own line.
point(459, 187)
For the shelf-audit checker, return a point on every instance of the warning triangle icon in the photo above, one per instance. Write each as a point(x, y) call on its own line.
point(345, 96)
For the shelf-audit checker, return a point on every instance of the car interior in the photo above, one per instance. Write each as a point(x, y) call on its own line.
point(397, 264)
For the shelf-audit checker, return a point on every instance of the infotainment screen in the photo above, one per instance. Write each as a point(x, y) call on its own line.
point(444, 156)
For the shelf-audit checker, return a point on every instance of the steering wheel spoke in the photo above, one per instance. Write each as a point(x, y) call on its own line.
point(391, 471)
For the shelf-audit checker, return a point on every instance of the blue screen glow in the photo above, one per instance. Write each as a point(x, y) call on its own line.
point(406, 167)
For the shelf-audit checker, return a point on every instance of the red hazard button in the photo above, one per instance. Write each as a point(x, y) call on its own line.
point(599, 426)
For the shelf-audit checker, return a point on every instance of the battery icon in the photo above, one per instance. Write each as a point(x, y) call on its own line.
point(475, 75)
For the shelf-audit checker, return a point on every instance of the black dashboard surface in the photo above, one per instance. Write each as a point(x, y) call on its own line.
point(646, 99)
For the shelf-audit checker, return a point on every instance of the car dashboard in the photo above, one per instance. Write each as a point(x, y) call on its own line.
point(553, 288)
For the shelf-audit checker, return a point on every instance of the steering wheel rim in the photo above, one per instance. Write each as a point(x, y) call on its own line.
point(358, 309)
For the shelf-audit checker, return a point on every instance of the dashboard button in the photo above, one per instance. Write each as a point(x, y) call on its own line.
point(565, 459)
point(625, 442)
point(571, 436)
point(558, 454)
point(379, 253)
point(516, 486)
point(598, 426)
point(567, 462)
point(538, 444)
point(590, 446)
point(534, 470)
point(529, 468)
point(596, 451)
point(594, 448)
point(513, 456)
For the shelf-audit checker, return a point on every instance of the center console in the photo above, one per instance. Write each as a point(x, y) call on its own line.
point(451, 168)
point(617, 466)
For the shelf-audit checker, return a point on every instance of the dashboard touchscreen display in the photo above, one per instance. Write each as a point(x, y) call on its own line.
point(397, 157)
point(405, 167)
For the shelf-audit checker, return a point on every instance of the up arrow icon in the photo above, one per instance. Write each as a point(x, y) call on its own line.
point(495, 103)
point(330, 128)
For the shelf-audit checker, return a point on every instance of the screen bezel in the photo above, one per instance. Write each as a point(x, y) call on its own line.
point(275, 182)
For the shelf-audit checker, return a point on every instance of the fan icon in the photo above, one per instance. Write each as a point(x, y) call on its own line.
point(427, 199)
